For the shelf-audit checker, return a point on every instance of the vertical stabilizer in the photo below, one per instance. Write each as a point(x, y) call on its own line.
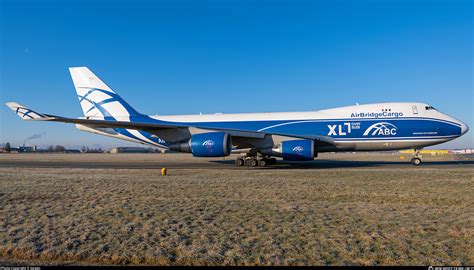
point(97, 99)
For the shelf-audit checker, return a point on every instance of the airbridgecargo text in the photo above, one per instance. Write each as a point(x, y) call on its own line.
point(376, 114)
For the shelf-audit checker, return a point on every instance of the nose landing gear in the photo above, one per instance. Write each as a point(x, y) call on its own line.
point(416, 160)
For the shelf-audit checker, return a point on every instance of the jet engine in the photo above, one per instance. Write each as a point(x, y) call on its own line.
point(295, 150)
point(210, 144)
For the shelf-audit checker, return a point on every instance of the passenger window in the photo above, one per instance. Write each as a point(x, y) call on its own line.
point(415, 109)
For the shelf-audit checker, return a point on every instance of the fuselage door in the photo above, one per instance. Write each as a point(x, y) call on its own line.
point(415, 109)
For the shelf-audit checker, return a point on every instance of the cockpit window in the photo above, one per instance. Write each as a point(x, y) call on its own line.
point(429, 108)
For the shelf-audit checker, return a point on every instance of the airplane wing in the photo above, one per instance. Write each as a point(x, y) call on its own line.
point(31, 115)
point(28, 114)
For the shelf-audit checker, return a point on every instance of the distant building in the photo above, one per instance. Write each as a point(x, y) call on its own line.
point(5, 148)
point(27, 149)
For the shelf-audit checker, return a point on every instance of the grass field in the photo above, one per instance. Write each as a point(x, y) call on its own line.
point(347, 216)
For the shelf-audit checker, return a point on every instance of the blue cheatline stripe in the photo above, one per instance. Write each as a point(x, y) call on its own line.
point(130, 135)
point(302, 129)
point(126, 133)
point(291, 122)
point(395, 139)
point(148, 119)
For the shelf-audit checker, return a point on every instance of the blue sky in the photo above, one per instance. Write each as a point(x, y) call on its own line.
point(184, 57)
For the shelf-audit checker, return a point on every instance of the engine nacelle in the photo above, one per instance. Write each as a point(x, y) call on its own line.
point(296, 150)
point(210, 144)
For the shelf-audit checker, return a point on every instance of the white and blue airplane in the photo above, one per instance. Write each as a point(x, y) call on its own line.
point(259, 137)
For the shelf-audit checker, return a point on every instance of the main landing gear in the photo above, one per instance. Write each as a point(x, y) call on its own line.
point(254, 161)
point(416, 160)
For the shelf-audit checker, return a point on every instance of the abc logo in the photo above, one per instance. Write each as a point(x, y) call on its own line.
point(382, 128)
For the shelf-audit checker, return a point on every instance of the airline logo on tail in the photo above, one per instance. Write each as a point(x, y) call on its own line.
point(97, 99)
point(105, 102)
point(381, 128)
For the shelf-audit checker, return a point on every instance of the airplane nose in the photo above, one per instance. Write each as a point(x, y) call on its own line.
point(464, 128)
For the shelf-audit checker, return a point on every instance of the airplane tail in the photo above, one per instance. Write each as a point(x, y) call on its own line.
point(97, 100)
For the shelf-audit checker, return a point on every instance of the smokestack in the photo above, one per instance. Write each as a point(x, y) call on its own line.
point(33, 137)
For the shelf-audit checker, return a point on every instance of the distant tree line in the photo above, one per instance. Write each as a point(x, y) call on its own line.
point(6, 148)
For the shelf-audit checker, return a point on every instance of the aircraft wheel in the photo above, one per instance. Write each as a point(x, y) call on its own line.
point(263, 162)
point(239, 162)
point(253, 162)
point(416, 161)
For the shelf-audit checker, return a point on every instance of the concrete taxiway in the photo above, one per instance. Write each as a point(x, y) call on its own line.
point(186, 161)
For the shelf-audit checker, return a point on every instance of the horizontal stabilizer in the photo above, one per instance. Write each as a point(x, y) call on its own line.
point(25, 113)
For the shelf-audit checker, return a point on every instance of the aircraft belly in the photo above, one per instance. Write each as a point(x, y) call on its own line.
point(369, 145)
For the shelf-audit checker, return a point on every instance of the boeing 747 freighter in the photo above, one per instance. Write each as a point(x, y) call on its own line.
point(259, 137)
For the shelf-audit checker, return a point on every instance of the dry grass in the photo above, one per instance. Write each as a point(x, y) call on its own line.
point(238, 217)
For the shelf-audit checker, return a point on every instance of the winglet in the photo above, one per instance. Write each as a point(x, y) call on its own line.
point(25, 113)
